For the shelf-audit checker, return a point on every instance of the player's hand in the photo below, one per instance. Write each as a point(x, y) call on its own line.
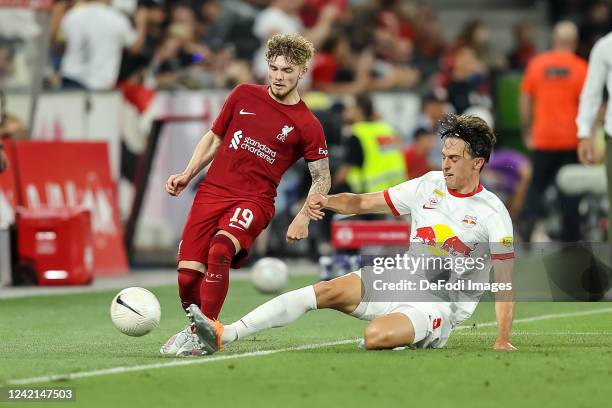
point(314, 206)
point(586, 151)
point(177, 183)
point(298, 229)
point(503, 345)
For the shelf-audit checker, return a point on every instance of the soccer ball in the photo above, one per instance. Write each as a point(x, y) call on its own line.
point(135, 311)
point(269, 275)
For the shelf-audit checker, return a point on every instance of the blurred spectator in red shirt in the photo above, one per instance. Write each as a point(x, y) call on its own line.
point(524, 46)
point(417, 154)
point(336, 69)
point(311, 10)
point(394, 32)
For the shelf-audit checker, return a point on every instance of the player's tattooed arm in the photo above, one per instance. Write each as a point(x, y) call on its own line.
point(321, 183)
point(321, 179)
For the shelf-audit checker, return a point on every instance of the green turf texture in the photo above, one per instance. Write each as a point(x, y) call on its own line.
point(72, 333)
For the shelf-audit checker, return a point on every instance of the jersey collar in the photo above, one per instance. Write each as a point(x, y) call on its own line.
point(455, 193)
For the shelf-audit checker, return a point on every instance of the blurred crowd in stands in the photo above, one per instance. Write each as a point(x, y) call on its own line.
point(365, 45)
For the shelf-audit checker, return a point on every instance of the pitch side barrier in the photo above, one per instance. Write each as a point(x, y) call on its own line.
point(62, 193)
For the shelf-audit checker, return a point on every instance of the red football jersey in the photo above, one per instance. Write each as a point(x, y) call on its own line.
point(262, 138)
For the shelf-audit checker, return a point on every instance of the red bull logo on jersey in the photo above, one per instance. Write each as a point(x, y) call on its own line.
point(442, 240)
point(469, 221)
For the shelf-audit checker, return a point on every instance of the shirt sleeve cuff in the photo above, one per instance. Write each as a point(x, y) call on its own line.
point(584, 132)
point(390, 203)
point(217, 131)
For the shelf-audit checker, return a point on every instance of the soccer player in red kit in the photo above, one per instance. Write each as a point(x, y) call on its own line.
point(260, 132)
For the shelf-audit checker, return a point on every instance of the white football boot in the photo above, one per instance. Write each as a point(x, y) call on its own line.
point(191, 347)
point(177, 342)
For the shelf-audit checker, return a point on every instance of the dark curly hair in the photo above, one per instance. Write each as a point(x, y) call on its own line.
point(474, 131)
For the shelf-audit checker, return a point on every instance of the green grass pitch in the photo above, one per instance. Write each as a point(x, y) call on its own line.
point(564, 359)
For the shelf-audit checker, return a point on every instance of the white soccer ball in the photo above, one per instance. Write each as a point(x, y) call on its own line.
point(135, 311)
point(270, 275)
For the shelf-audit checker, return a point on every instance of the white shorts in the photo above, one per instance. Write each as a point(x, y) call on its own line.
point(431, 320)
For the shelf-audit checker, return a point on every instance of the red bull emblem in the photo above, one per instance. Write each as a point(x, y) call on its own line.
point(443, 240)
point(455, 246)
point(469, 221)
point(427, 235)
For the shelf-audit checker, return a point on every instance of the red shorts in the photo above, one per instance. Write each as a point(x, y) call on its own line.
point(243, 219)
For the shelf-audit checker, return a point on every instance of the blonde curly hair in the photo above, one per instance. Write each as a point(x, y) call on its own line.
point(296, 49)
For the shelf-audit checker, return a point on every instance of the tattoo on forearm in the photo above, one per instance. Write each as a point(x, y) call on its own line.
point(321, 179)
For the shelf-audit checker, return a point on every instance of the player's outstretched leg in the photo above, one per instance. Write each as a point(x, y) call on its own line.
point(190, 277)
point(343, 294)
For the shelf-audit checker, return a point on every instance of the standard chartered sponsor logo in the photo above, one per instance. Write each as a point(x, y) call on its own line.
point(253, 146)
point(236, 139)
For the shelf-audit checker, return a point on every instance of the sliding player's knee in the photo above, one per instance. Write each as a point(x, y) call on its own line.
point(389, 331)
point(377, 337)
point(342, 294)
point(193, 265)
point(329, 295)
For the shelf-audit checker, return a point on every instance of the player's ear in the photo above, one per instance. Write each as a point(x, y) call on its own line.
point(303, 72)
point(478, 163)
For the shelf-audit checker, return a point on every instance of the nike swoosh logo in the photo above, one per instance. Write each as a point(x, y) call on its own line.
point(243, 112)
point(428, 208)
point(122, 303)
point(236, 226)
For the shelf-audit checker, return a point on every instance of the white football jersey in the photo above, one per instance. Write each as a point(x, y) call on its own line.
point(451, 224)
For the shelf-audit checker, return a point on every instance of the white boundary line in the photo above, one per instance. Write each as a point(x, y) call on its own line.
point(173, 363)
point(540, 317)
point(176, 363)
point(540, 333)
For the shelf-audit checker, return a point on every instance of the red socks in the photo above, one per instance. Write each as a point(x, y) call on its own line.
point(213, 288)
point(189, 282)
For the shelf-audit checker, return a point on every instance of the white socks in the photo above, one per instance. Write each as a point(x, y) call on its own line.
point(277, 312)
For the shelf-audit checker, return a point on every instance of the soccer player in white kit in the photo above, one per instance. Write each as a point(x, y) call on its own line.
point(451, 212)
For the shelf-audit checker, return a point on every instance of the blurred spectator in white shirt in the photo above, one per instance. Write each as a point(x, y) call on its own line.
point(95, 35)
point(282, 16)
